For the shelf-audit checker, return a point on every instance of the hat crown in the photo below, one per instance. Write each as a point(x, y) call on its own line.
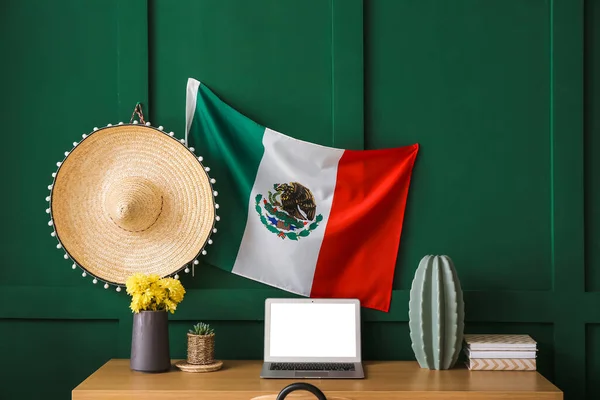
point(134, 203)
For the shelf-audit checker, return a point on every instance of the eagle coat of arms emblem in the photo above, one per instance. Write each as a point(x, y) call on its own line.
point(289, 211)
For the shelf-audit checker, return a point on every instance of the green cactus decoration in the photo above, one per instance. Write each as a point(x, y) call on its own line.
point(436, 313)
point(201, 329)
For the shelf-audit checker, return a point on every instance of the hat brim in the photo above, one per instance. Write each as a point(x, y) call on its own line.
point(84, 225)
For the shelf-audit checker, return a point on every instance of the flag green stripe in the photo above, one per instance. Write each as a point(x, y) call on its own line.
point(231, 145)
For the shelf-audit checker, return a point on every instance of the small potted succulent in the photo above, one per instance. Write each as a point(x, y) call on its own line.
point(201, 344)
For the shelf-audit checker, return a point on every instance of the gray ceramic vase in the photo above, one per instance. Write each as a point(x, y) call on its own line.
point(150, 342)
point(436, 313)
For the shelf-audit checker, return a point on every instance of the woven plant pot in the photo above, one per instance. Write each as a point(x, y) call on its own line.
point(201, 349)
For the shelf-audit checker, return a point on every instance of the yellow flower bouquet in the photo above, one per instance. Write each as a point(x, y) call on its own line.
point(153, 293)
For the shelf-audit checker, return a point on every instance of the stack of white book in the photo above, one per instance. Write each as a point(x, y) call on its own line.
point(500, 352)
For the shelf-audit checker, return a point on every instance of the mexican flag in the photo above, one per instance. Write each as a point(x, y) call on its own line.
point(312, 220)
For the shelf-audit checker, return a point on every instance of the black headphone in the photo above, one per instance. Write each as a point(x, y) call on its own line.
point(301, 386)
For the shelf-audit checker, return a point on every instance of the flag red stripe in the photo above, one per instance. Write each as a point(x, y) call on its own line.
point(358, 254)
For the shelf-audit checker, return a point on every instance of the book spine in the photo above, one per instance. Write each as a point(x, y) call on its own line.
point(500, 354)
point(501, 364)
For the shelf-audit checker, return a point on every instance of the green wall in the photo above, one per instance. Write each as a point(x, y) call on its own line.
point(502, 95)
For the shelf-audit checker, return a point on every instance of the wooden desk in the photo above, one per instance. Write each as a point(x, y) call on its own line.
point(239, 380)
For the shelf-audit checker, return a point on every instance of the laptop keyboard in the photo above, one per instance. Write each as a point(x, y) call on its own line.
point(312, 367)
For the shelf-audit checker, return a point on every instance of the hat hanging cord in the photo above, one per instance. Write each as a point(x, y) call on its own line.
point(138, 110)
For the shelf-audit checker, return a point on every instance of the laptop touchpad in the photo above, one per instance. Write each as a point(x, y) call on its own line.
point(306, 374)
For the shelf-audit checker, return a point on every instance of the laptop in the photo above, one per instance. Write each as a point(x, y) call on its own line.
point(312, 338)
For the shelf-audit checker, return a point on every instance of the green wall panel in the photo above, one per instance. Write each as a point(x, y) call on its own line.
point(270, 59)
point(592, 143)
point(593, 361)
point(59, 80)
point(386, 341)
point(48, 358)
point(468, 80)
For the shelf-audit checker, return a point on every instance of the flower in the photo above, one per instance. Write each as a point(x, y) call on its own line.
point(153, 293)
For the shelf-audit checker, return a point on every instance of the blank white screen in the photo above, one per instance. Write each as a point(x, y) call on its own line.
point(313, 330)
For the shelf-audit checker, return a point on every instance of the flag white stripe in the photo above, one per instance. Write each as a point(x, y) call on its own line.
point(190, 104)
point(265, 257)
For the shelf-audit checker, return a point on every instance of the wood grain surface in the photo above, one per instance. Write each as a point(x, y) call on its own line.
point(239, 380)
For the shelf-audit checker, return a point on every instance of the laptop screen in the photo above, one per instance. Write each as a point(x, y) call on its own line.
point(313, 330)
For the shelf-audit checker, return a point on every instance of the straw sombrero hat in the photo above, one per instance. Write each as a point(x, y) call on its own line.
point(131, 198)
